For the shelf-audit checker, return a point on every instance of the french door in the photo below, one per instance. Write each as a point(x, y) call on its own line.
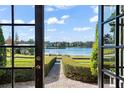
point(111, 45)
point(22, 51)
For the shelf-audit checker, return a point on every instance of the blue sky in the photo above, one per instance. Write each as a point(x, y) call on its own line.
point(70, 23)
point(62, 23)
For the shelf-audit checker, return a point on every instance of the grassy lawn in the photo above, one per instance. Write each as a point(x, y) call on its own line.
point(25, 62)
point(80, 57)
point(82, 60)
point(19, 61)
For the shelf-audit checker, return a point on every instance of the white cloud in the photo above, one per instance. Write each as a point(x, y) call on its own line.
point(54, 20)
point(94, 18)
point(65, 17)
point(5, 21)
point(19, 21)
point(79, 29)
point(51, 30)
point(50, 9)
point(32, 22)
point(3, 9)
point(64, 6)
point(95, 9)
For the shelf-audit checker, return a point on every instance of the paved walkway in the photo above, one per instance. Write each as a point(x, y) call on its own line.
point(57, 79)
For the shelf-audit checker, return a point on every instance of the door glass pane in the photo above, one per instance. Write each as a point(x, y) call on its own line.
point(121, 62)
point(24, 78)
point(109, 33)
point(109, 81)
point(24, 35)
point(109, 59)
point(6, 34)
point(5, 57)
point(109, 12)
point(121, 9)
point(5, 78)
point(24, 14)
point(24, 57)
point(5, 14)
point(121, 31)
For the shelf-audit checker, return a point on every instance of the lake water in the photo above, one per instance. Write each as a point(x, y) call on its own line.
point(70, 51)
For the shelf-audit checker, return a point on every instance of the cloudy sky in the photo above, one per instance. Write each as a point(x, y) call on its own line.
point(70, 23)
point(62, 23)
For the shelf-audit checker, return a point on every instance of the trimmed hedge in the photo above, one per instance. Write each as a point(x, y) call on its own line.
point(22, 75)
point(49, 62)
point(77, 71)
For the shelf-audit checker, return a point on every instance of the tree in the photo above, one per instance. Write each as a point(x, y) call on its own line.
point(30, 41)
point(2, 50)
point(16, 38)
point(94, 57)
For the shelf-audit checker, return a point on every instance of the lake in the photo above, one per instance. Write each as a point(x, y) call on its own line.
point(70, 51)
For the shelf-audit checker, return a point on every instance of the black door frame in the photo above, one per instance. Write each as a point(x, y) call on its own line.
point(39, 37)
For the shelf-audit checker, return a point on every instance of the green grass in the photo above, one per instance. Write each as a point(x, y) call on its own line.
point(21, 55)
point(70, 61)
point(30, 62)
point(80, 57)
point(26, 62)
point(82, 60)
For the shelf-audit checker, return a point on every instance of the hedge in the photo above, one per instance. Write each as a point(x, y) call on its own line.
point(49, 62)
point(22, 75)
point(77, 71)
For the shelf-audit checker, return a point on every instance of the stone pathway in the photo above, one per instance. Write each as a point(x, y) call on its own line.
point(55, 79)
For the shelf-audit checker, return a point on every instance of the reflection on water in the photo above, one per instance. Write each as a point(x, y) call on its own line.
point(70, 51)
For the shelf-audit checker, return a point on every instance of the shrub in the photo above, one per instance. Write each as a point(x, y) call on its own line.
point(49, 62)
point(2, 50)
point(22, 75)
point(77, 71)
point(94, 56)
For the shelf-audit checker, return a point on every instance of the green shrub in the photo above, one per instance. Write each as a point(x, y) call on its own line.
point(2, 50)
point(49, 62)
point(94, 56)
point(77, 71)
point(22, 75)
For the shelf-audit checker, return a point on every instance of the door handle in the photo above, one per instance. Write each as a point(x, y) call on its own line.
point(38, 67)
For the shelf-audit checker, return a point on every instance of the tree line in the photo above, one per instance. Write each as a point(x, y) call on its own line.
point(64, 44)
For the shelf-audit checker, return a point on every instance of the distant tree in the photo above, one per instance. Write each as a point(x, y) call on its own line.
point(16, 38)
point(94, 57)
point(2, 51)
point(30, 41)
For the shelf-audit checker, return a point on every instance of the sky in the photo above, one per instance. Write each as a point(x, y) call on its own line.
point(62, 23)
point(70, 23)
